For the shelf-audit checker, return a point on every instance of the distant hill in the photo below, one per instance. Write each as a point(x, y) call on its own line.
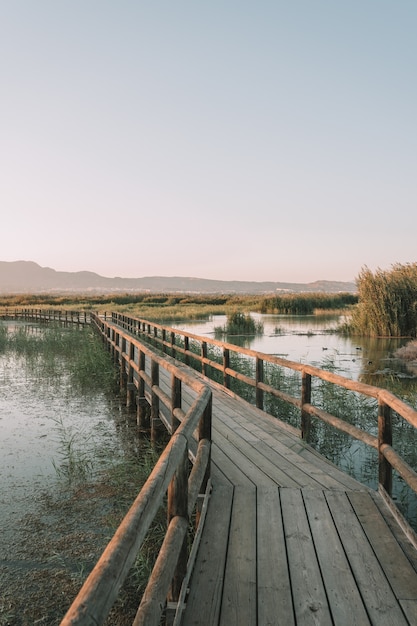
point(20, 277)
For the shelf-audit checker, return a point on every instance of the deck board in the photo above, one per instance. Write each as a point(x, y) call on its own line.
point(290, 539)
point(320, 536)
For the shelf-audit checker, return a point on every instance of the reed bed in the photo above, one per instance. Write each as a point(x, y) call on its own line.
point(387, 302)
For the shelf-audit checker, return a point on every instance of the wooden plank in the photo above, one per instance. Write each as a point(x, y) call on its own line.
point(207, 579)
point(253, 442)
point(284, 439)
point(254, 463)
point(397, 568)
point(341, 589)
point(296, 468)
point(275, 607)
point(230, 469)
point(400, 528)
point(378, 597)
point(309, 596)
point(239, 605)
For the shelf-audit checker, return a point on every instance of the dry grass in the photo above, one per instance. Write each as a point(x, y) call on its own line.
point(407, 352)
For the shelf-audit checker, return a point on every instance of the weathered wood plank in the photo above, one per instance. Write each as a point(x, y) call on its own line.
point(285, 440)
point(258, 467)
point(239, 604)
point(228, 467)
point(378, 597)
point(341, 589)
point(397, 568)
point(275, 607)
point(206, 584)
point(309, 596)
point(295, 469)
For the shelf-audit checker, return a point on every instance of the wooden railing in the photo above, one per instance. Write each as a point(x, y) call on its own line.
point(139, 368)
point(46, 315)
point(195, 350)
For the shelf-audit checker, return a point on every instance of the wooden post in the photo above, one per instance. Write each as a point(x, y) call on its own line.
point(226, 365)
point(154, 401)
point(131, 388)
point(186, 348)
point(173, 344)
point(384, 437)
point(204, 432)
point(142, 412)
point(305, 399)
point(175, 401)
point(259, 379)
point(178, 506)
point(203, 356)
point(164, 338)
point(122, 360)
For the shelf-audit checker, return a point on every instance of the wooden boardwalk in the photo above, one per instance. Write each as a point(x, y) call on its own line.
point(288, 538)
point(291, 539)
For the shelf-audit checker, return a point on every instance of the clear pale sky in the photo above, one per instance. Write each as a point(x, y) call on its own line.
point(226, 139)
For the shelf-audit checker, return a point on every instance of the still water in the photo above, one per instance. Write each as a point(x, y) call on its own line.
point(311, 339)
point(40, 417)
point(45, 423)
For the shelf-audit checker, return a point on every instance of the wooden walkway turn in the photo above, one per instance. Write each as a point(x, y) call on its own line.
point(291, 539)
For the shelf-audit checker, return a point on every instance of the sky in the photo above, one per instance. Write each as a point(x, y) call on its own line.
point(230, 139)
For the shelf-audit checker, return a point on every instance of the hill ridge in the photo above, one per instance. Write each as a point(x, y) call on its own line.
point(18, 277)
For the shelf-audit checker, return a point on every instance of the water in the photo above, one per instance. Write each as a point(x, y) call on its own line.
point(40, 416)
point(311, 339)
point(44, 421)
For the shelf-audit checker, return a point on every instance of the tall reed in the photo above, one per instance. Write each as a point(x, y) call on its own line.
point(387, 302)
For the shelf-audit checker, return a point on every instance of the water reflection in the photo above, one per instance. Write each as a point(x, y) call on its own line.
point(312, 339)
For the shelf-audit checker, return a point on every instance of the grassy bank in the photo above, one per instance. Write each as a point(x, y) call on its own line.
point(161, 307)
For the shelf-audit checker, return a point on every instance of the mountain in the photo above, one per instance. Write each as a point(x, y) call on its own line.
point(18, 277)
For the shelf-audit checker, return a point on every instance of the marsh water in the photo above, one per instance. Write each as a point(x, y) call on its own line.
point(312, 339)
point(49, 430)
point(45, 423)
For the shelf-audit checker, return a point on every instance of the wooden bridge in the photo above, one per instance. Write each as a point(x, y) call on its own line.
point(282, 536)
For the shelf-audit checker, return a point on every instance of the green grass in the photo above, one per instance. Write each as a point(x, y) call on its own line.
point(162, 307)
point(239, 324)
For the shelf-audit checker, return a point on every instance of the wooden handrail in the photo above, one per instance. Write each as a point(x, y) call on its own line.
point(387, 402)
point(169, 476)
point(124, 337)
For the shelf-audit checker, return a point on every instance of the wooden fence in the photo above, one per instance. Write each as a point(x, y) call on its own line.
point(139, 368)
point(46, 315)
point(171, 476)
point(198, 351)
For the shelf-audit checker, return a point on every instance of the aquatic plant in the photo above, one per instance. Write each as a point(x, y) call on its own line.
point(239, 323)
point(387, 302)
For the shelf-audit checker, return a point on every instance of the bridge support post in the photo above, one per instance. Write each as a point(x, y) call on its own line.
point(175, 401)
point(178, 506)
point(122, 362)
point(156, 424)
point(203, 357)
point(305, 399)
point(384, 438)
point(259, 379)
point(226, 365)
point(142, 418)
point(131, 388)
